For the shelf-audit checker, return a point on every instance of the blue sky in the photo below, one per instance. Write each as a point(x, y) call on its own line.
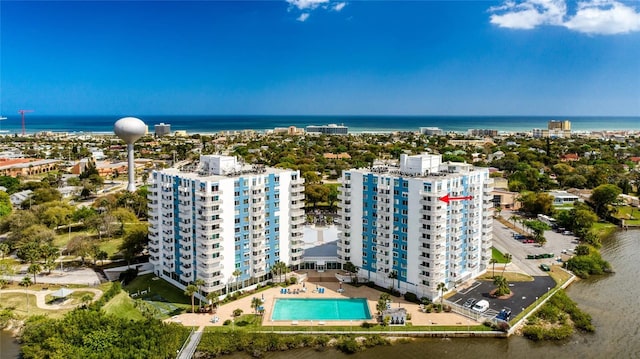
point(321, 57)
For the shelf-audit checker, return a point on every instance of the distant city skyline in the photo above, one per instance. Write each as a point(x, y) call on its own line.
point(320, 57)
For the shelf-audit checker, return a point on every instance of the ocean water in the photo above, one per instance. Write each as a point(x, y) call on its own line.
point(210, 124)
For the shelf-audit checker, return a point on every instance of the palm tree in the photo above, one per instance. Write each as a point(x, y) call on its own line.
point(280, 268)
point(502, 286)
point(236, 275)
point(191, 291)
point(441, 287)
point(199, 282)
point(255, 303)
point(514, 219)
point(34, 269)
point(26, 282)
point(493, 261)
point(214, 299)
point(508, 257)
point(394, 275)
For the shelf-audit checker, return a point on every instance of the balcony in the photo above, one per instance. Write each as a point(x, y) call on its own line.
point(208, 267)
point(207, 250)
point(209, 260)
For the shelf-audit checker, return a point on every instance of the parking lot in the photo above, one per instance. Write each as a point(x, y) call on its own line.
point(560, 245)
point(524, 293)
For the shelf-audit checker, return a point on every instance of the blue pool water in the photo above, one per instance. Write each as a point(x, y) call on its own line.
point(321, 309)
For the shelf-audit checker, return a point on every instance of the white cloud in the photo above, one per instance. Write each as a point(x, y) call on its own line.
point(306, 4)
point(303, 17)
point(339, 6)
point(604, 17)
point(528, 14)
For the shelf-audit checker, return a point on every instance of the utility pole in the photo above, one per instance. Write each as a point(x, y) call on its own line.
point(22, 112)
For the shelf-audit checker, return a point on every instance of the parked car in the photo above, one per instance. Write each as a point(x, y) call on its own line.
point(480, 306)
point(504, 314)
point(469, 303)
point(545, 267)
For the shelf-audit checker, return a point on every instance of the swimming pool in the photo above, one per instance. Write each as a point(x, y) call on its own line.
point(321, 309)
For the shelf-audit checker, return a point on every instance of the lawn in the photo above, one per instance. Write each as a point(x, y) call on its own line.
point(122, 306)
point(630, 214)
point(603, 229)
point(559, 275)
point(498, 256)
point(510, 276)
point(73, 298)
point(25, 304)
point(158, 287)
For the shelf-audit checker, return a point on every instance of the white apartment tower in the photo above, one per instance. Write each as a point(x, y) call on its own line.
point(417, 225)
point(224, 218)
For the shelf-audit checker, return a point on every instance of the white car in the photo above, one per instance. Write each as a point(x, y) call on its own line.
point(480, 306)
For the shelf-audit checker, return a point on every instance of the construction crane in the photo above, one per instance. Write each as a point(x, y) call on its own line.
point(22, 112)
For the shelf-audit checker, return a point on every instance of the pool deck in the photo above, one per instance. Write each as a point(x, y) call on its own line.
point(225, 311)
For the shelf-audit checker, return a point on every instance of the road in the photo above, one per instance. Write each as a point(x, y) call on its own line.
point(556, 243)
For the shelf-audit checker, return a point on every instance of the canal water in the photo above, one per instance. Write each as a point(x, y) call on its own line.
point(612, 301)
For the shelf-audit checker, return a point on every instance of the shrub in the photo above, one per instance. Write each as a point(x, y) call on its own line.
point(293, 280)
point(367, 325)
point(348, 345)
point(411, 297)
point(227, 322)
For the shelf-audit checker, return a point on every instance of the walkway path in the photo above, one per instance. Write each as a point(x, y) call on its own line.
point(194, 339)
point(41, 295)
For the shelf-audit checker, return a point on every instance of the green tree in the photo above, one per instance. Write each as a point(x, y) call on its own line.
point(279, 268)
point(80, 246)
point(199, 282)
point(332, 197)
point(134, 242)
point(42, 195)
point(236, 276)
point(101, 256)
point(351, 268)
point(394, 275)
point(603, 196)
point(441, 288)
point(214, 299)
point(255, 304)
point(5, 204)
point(124, 216)
point(502, 286)
point(493, 262)
point(4, 249)
point(191, 291)
point(508, 257)
point(315, 193)
point(10, 183)
point(34, 269)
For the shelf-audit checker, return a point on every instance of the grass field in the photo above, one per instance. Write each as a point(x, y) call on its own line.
point(603, 229)
point(122, 306)
point(25, 305)
point(511, 277)
point(631, 215)
point(159, 287)
point(498, 256)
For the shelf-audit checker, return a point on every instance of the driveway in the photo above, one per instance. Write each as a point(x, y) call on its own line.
point(524, 294)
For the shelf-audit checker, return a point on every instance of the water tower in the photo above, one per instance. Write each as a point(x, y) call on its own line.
point(130, 129)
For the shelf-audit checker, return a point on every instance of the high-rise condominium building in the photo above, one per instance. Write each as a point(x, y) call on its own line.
point(226, 224)
point(417, 225)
